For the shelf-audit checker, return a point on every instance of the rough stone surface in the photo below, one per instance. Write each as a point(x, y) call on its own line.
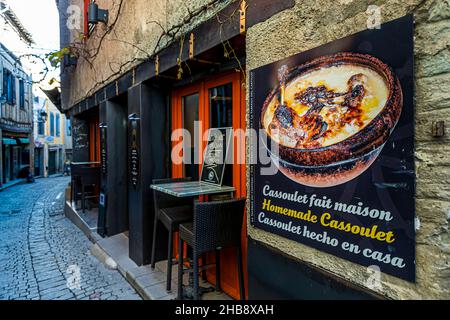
point(38, 246)
point(132, 43)
point(311, 24)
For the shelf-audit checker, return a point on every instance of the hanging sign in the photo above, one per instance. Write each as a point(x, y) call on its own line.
point(134, 149)
point(103, 150)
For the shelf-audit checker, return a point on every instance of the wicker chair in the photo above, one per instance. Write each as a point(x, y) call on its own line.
point(170, 211)
point(216, 225)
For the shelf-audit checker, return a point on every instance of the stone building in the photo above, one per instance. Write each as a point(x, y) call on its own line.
point(176, 63)
point(16, 101)
point(16, 118)
point(52, 138)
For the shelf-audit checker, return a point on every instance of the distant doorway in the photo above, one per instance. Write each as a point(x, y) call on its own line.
point(38, 162)
point(52, 162)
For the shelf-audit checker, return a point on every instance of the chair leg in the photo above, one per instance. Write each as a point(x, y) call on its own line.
point(71, 191)
point(240, 274)
point(218, 270)
point(155, 227)
point(204, 264)
point(169, 261)
point(83, 199)
point(195, 275)
point(180, 269)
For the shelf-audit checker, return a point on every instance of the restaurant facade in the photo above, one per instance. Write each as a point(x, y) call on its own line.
point(323, 225)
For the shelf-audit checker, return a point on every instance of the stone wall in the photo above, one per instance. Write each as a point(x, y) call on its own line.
point(313, 23)
point(107, 55)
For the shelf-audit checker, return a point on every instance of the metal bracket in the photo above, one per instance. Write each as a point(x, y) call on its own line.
point(133, 117)
point(438, 129)
point(157, 70)
point(103, 15)
point(191, 52)
point(157, 65)
point(191, 46)
point(243, 11)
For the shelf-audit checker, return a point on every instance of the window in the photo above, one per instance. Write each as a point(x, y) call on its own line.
point(52, 124)
point(5, 83)
point(41, 127)
point(13, 90)
point(9, 86)
point(68, 128)
point(58, 124)
point(21, 93)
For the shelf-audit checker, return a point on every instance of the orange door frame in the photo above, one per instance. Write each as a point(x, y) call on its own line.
point(229, 278)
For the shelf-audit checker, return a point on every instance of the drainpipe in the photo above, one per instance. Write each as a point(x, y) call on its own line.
point(1, 135)
point(1, 152)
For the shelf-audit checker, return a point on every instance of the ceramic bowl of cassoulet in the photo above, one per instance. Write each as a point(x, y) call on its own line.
point(328, 119)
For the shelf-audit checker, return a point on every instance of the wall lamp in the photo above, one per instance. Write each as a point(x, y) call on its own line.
point(96, 15)
point(43, 116)
point(133, 117)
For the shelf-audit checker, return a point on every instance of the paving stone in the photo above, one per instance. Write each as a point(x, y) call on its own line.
point(38, 244)
point(155, 291)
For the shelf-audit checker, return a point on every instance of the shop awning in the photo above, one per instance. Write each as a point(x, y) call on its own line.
point(55, 96)
point(9, 141)
point(23, 140)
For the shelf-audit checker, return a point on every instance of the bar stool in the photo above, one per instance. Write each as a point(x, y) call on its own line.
point(216, 225)
point(75, 172)
point(90, 181)
point(170, 211)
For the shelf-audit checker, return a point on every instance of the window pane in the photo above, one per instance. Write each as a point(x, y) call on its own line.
point(41, 127)
point(190, 115)
point(57, 125)
point(69, 128)
point(52, 124)
point(21, 94)
point(221, 106)
point(221, 115)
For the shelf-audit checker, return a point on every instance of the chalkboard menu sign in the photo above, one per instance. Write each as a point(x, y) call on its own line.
point(103, 151)
point(214, 161)
point(80, 131)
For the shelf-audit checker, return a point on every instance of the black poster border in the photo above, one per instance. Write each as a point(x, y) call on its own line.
point(394, 170)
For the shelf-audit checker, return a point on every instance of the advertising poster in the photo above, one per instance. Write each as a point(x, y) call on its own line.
point(337, 123)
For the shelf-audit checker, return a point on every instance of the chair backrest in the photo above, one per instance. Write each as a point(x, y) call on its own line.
point(163, 200)
point(218, 224)
point(76, 169)
point(90, 175)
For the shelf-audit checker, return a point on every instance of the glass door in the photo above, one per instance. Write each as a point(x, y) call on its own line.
point(216, 102)
point(187, 115)
point(190, 116)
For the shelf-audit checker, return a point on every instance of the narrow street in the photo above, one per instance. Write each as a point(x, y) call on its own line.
point(43, 256)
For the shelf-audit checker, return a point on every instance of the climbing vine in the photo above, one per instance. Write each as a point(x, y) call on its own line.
point(89, 49)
